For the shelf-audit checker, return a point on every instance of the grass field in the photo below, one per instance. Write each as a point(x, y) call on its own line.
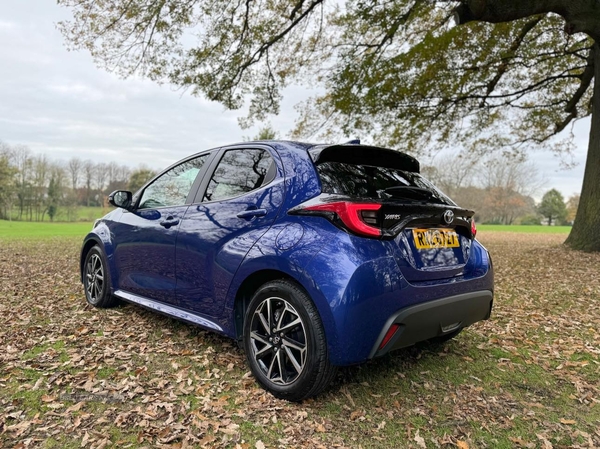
point(36, 230)
point(72, 376)
point(525, 229)
point(82, 213)
point(91, 213)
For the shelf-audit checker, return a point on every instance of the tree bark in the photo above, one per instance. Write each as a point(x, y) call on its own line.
point(581, 16)
point(585, 234)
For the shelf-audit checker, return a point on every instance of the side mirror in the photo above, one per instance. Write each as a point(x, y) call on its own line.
point(120, 198)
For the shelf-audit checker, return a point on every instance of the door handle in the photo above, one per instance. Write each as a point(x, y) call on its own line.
point(170, 221)
point(251, 213)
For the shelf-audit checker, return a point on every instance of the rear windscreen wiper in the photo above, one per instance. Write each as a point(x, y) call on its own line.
point(409, 192)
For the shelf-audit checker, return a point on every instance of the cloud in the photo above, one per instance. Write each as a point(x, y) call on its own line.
point(58, 103)
point(4, 25)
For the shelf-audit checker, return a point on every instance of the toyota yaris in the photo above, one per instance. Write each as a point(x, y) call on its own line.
point(311, 256)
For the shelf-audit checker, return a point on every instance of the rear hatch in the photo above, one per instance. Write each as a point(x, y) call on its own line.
point(430, 241)
point(379, 193)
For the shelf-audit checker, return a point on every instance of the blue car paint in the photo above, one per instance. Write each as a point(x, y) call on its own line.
point(356, 283)
point(213, 241)
point(365, 290)
point(144, 252)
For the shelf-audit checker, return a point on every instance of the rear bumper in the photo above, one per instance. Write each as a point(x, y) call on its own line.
point(359, 290)
point(433, 319)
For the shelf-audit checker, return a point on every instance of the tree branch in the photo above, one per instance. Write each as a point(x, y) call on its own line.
point(268, 44)
point(581, 16)
point(511, 51)
point(586, 80)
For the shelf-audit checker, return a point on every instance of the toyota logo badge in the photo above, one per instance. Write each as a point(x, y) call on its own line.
point(448, 216)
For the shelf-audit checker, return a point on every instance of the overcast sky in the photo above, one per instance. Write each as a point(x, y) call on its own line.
point(58, 103)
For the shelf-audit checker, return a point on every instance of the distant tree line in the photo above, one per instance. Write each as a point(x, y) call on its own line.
point(35, 188)
point(500, 188)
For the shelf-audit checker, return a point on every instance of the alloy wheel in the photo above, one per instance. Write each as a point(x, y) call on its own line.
point(278, 341)
point(95, 278)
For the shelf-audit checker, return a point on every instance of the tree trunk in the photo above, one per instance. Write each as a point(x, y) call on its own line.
point(585, 234)
point(21, 206)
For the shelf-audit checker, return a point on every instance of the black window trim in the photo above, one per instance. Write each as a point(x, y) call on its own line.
point(210, 171)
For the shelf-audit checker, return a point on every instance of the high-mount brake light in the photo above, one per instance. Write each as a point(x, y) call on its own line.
point(473, 228)
point(357, 217)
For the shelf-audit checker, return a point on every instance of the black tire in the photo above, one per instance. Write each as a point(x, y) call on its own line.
point(294, 365)
point(96, 280)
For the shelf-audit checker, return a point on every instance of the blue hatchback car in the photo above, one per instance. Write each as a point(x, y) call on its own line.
point(311, 256)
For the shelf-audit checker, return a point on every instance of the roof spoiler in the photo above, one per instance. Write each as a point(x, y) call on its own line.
point(364, 155)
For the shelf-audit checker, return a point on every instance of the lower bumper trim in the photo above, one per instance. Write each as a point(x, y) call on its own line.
point(433, 319)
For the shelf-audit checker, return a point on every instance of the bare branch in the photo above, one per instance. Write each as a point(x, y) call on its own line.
point(511, 51)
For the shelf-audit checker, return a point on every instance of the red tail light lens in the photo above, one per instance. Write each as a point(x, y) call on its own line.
point(351, 214)
point(473, 228)
point(388, 335)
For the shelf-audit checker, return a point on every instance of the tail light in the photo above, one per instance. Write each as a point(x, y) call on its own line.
point(473, 227)
point(360, 218)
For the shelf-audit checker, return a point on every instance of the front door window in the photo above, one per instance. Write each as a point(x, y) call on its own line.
point(173, 187)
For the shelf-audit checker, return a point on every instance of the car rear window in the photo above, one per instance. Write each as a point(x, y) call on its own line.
point(369, 181)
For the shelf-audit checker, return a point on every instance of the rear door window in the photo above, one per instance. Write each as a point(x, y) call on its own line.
point(240, 171)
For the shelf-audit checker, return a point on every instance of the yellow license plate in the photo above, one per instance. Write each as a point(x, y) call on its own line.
point(435, 238)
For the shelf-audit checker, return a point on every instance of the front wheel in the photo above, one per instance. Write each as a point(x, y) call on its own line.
point(285, 342)
point(96, 280)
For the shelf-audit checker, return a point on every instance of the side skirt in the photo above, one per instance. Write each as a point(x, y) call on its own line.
point(171, 311)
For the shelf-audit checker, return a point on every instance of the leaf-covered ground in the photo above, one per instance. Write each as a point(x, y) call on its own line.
point(73, 376)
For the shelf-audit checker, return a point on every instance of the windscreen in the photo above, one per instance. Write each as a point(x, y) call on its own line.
point(368, 181)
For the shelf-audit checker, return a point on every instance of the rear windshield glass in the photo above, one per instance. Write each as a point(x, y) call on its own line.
point(367, 181)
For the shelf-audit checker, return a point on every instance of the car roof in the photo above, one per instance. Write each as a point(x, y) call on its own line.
point(354, 153)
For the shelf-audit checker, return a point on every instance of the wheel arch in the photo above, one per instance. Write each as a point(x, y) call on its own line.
point(96, 237)
point(247, 289)
point(254, 280)
point(85, 249)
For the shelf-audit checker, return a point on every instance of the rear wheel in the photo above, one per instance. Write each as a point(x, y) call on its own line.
point(96, 280)
point(285, 342)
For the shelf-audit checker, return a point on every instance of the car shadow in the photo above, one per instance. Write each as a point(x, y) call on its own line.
point(403, 364)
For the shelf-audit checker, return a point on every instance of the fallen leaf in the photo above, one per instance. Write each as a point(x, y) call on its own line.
point(568, 421)
point(420, 440)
